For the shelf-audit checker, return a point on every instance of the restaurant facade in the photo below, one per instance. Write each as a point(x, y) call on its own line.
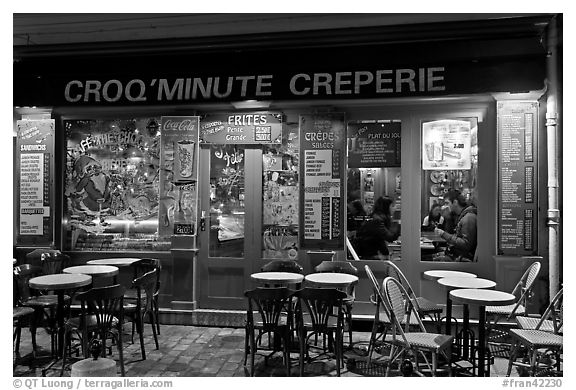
point(219, 155)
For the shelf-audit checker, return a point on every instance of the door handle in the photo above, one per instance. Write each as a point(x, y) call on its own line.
point(203, 221)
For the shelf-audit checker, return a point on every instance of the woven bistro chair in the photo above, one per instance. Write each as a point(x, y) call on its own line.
point(269, 313)
point(381, 322)
point(344, 267)
point(423, 306)
point(550, 321)
point(404, 341)
point(539, 343)
point(498, 316)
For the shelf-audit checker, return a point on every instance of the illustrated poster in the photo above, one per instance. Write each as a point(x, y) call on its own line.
point(446, 144)
point(179, 175)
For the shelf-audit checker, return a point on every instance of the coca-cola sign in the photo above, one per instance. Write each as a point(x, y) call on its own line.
point(182, 125)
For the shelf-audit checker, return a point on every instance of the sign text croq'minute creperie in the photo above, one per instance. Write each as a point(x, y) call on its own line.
point(382, 82)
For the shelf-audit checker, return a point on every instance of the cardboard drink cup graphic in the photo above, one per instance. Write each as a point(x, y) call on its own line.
point(186, 157)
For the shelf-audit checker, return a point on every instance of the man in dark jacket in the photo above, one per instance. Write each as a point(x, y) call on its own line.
point(461, 244)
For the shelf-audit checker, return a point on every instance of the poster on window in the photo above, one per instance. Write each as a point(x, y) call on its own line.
point(111, 188)
point(35, 156)
point(446, 144)
point(323, 169)
point(179, 174)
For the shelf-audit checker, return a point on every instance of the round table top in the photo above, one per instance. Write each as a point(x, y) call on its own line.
point(331, 278)
point(277, 277)
point(473, 296)
point(435, 274)
point(117, 262)
point(93, 270)
point(60, 281)
point(464, 282)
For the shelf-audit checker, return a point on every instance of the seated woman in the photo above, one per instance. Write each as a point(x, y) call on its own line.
point(433, 219)
point(372, 236)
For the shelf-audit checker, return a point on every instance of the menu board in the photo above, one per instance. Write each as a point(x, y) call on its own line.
point(374, 144)
point(446, 144)
point(35, 156)
point(179, 174)
point(517, 177)
point(242, 128)
point(323, 169)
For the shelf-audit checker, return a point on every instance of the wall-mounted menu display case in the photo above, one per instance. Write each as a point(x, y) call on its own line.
point(111, 185)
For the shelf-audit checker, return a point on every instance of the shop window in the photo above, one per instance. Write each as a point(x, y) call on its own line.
point(450, 168)
point(111, 185)
point(280, 196)
point(374, 190)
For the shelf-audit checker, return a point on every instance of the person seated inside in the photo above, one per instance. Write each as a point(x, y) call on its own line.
point(450, 218)
point(433, 219)
point(355, 212)
point(373, 235)
point(461, 246)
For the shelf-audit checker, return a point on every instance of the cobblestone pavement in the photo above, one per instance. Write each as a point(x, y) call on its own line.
point(191, 351)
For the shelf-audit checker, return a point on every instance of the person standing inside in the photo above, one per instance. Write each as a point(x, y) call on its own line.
point(461, 246)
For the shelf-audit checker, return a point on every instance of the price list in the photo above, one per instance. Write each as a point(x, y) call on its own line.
point(35, 155)
point(517, 170)
point(374, 144)
point(322, 144)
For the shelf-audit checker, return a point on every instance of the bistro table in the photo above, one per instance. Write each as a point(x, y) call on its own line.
point(120, 262)
point(482, 298)
point(331, 279)
point(462, 282)
point(59, 283)
point(96, 271)
point(277, 279)
point(437, 274)
point(117, 262)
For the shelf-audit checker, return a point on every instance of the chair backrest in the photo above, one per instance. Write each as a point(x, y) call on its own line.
point(319, 304)
point(35, 257)
point(22, 275)
point(344, 267)
point(146, 283)
point(105, 303)
point(53, 262)
point(400, 306)
point(146, 265)
point(524, 288)
point(283, 266)
point(270, 303)
point(376, 298)
point(395, 272)
point(554, 312)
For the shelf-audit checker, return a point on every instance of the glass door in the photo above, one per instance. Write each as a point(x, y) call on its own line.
point(231, 191)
